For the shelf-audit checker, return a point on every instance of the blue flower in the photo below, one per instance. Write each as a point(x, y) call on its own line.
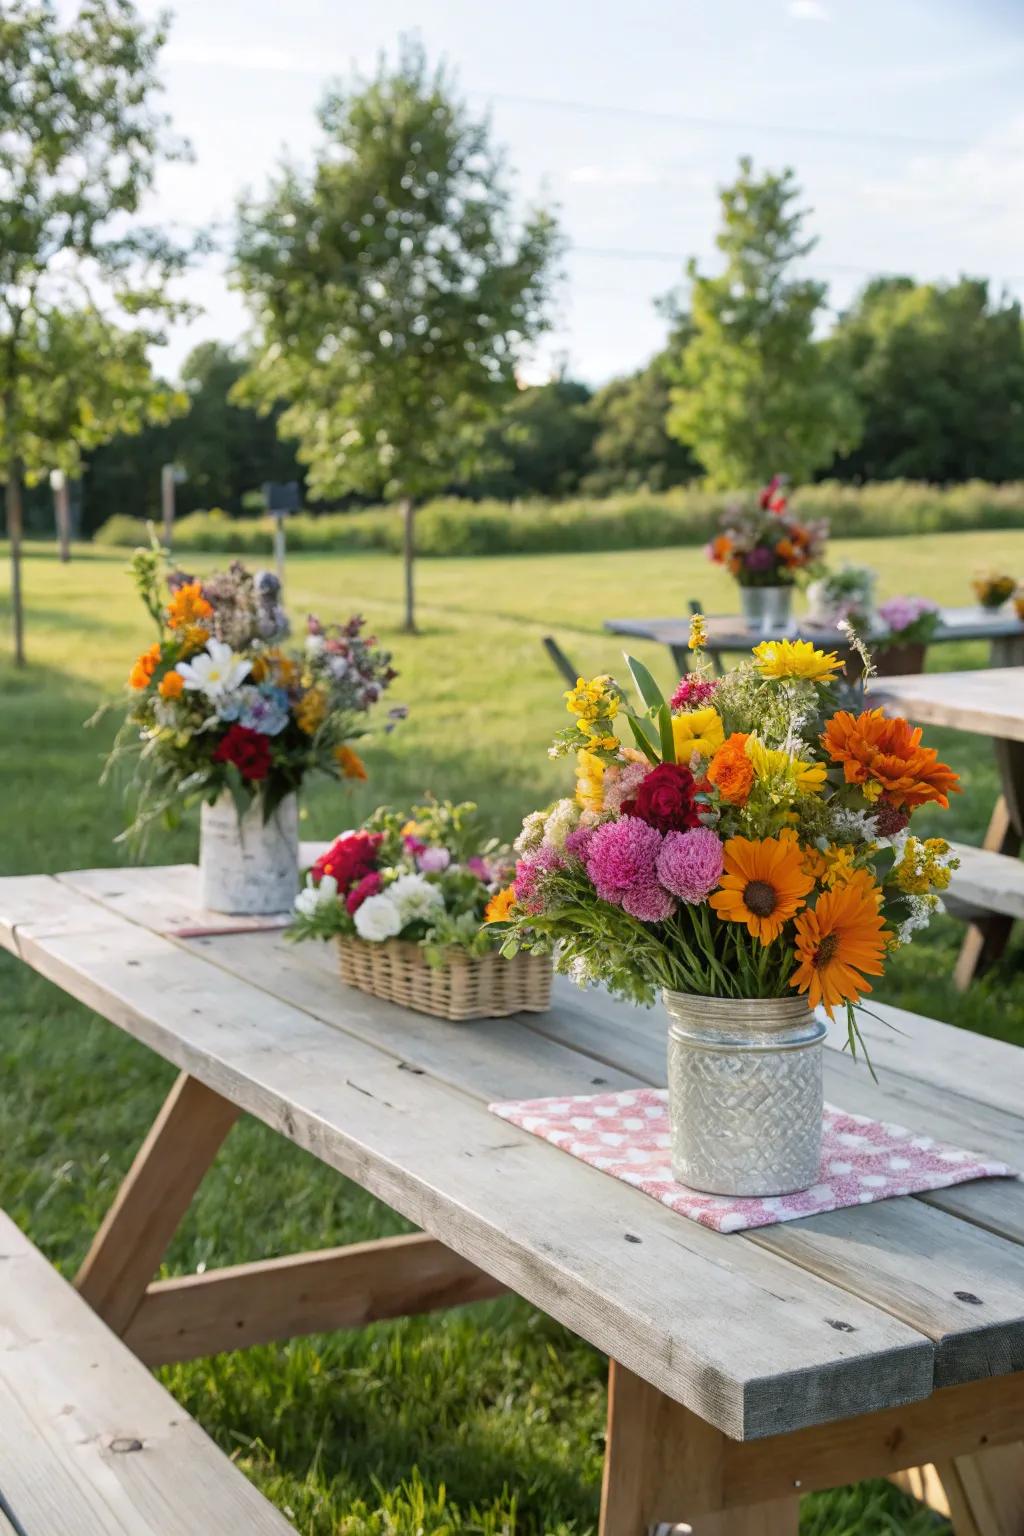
point(264, 710)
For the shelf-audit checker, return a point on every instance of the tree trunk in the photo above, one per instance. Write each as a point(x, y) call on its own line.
point(14, 530)
point(409, 557)
point(62, 510)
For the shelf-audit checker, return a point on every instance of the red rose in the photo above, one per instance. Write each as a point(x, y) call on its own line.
point(665, 799)
point(369, 885)
point(349, 859)
point(248, 750)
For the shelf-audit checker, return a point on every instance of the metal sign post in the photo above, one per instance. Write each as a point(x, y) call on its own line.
point(281, 497)
point(62, 512)
point(170, 476)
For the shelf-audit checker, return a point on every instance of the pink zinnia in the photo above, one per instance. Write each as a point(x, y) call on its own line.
point(622, 858)
point(649, 903)
point(690, 863)
point(692, 693)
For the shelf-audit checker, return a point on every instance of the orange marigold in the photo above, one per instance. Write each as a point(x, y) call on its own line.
point(839, 943)
point(720, 547)
point(731, 771)
point(877, 750)
point(187, 606)
point(499, 906)
point(171, 685)
point(141, 674)
point(350, 763)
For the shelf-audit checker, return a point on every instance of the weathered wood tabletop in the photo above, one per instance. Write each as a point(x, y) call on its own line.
point(909, 1312)
point(989, 702)
point(728, 633)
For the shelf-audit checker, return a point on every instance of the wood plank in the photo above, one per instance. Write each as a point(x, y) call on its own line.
point(91, 1443)
point(991, 881)
point(989, 702)
point(168, 1169)
point(746, 1339)
point(233, 1308)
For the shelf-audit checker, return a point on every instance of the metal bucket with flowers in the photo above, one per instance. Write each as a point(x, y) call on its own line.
point(225, 715)
point(746, 853)
point(410, 899)
point(767, 547)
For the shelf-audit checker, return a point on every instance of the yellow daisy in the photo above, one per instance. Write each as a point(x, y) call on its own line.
point(796, 658)
point(699, 730)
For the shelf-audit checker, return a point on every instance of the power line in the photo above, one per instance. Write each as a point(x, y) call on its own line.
point(723, 124)
point(624, 253)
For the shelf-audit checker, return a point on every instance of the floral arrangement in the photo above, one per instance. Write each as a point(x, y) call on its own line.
point(992, 588)
point(747, 838)
point(218, 702)
point(427, 876)
point(845, 596)
point(907, 620)
point(766, 545)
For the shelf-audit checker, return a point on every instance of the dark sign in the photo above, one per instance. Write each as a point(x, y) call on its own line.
point(282, 496)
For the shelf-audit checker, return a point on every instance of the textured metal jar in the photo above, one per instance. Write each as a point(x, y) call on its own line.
point(247, 865)
point(745, 1094)
point(767, 610)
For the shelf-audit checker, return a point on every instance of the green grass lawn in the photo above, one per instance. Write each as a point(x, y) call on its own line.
point(470, 1421)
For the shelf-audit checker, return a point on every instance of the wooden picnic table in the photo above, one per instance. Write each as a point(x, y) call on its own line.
point(727, 634)
point(986, 703)
point(885, 1339)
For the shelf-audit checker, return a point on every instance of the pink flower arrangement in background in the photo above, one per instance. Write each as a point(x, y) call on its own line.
point(900, 613)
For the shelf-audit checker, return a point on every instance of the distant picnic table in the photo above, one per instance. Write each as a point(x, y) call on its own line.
point(988, 703)
point(745, 1369)
point(728, 633)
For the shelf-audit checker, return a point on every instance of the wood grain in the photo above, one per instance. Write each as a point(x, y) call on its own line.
point(233, 1308)
point(91, 1443)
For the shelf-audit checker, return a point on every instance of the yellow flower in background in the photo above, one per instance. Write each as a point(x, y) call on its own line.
point(698, 632)
point(311, 710)
point(412, 829)
point(187, 606)
point(259, 668)
point(589, 781)
point(193, 637)
point(594, 700)
point(925, 866)
point(699, 730)
point(350, 763)
point(599, 741)
point(796, 658)
point(773, 763)
point(497, 909)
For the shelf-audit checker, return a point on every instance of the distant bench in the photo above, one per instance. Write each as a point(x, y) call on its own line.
point(90, 1443)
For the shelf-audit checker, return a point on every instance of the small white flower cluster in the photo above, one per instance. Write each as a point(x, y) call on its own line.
point(922, 909)
point(560, 821)
point(532, 834)
point(313, 896)
point(855, 826)
point(409, 899)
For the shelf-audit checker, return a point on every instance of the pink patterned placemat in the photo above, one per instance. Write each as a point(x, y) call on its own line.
point(627, 1136)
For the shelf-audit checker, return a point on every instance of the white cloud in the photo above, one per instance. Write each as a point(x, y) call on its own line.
point(808, 10)
point(625, 173)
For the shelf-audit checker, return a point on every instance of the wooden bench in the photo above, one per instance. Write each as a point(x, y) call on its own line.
point(987, 882)
point(90, 1443)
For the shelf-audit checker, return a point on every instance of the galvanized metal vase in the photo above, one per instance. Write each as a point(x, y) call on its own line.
point(745, 1094)
point(247, 865)
point(767, 610)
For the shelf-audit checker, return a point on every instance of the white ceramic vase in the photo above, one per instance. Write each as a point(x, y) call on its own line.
point(246, 865)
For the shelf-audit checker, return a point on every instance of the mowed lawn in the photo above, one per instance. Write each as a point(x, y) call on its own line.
point(489, 1418)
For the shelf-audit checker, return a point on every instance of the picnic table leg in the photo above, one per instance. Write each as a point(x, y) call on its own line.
point(987, 937)
point(664, 1466)
point(982, 1494)
point(157, 1191)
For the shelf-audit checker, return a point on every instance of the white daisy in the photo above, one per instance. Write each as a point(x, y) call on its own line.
point(217, 671)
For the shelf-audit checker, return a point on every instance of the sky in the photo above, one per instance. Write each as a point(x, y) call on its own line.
point(903, 120)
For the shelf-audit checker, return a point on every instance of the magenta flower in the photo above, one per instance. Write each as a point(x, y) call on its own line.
point(529, 874)
point(369, 885)
point(649, 903)
point(577, 844)
point(433, 860)
point(690, 863)
point(622, 860)
point(693, 693)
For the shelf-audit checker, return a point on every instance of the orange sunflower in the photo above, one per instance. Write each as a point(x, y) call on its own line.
point(764, 884)
point(885, 757)
point(731, 771)
point(839, 943)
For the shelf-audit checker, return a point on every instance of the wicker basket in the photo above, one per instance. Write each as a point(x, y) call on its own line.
point(465, 987)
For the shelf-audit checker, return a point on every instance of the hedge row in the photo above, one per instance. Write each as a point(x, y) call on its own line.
point(635, 521)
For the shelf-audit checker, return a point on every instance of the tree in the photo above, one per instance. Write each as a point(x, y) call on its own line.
point(753, 391)
point(939, 373)
point(632, 446)
point(392, 292)
point(539, 445)
point(79, 144)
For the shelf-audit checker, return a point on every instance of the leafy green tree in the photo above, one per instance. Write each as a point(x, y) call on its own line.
point(753, 391)
point(393, 292)
point(539, 445)
point(632, 446)
point(939, 373)
point(79, 145)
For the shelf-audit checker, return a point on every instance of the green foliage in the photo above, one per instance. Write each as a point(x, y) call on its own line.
point(638, 521)
point(938, 370)
point(632, 446)
point(539, 445)
point(391, 290)
point(754, 392)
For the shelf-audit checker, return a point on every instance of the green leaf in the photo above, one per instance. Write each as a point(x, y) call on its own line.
point(668, 742)
point(646, 687)
point(643, 734)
